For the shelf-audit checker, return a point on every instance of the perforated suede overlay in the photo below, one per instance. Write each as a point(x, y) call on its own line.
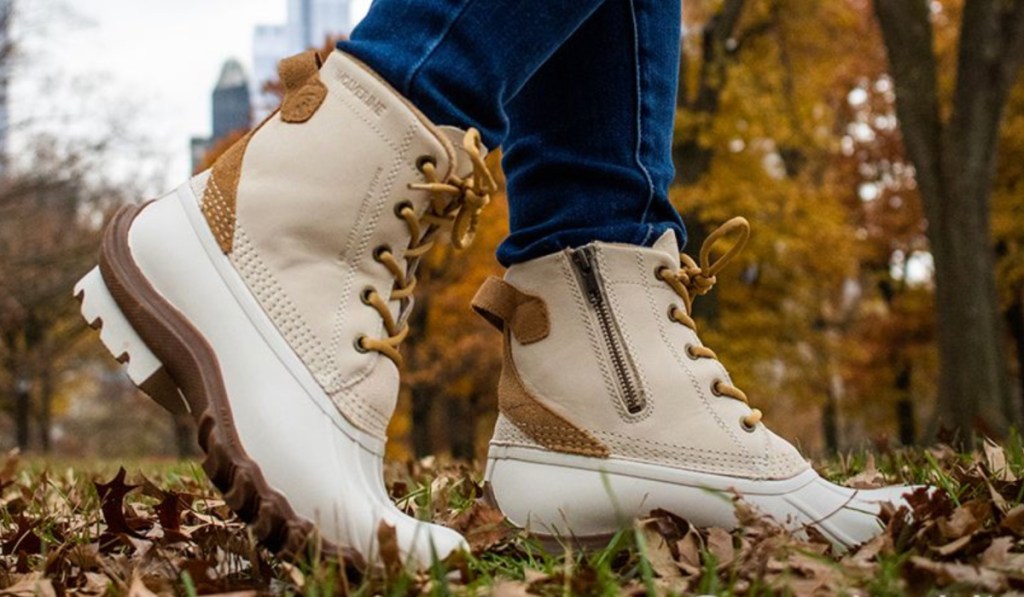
point(220, 200)
point(539, 422)
point(304, 91)
point(502, 304)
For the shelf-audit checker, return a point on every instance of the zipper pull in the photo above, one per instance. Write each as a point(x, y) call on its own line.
point(588, 273)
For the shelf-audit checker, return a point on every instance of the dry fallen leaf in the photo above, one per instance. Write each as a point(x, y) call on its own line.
point(483, 526)
point(510, 588)
point(390, 555)
point(869, 478)
point(1014, 521)
point(995, 460)
point(965, 520)
point(657, 549)
point(30, 585)
point(720, 545)
point(946, 573)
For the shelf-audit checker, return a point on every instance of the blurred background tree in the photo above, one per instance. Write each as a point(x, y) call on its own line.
point(56, 193)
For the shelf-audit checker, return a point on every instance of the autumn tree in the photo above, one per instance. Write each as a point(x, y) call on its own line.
point(1008, 214)
point(50, 218)
point(951, 139)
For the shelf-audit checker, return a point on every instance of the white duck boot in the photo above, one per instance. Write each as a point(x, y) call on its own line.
point(268, 298)
point(611, 407)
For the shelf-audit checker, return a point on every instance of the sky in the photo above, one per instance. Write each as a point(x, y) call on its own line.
point(157, 59)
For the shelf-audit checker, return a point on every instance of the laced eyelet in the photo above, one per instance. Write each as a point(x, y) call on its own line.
point(358, 344)
point(659, 272)
point(365, 295)
point(401, 206)
point(379, 252)
point(746, 427)
point(672, 313)
point(714, 388)
point(423, 160)
point(689, 353)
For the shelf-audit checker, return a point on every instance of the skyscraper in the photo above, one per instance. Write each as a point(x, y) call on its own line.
point(231, 109)
point(310, 24)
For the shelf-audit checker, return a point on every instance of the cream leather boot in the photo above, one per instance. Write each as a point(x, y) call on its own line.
point(611, 407)
point(268, 298)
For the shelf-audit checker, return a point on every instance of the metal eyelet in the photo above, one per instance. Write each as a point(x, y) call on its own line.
point(360, 348)
point(714, 388)
point(659, 271)
point(365, 295)
point(423, 160)
point(747, 428)
point(401, 206)
point(378, 253)
point(672, 313)
point(689, 353)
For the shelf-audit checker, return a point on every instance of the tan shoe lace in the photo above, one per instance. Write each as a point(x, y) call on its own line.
point(693, 280)
point(455, 203)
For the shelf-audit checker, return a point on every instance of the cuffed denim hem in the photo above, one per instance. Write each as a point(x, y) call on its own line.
point(510, 253)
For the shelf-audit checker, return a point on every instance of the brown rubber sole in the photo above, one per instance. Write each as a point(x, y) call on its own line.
point(190, 367)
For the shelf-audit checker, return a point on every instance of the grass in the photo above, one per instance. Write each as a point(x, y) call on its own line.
point(78, 527)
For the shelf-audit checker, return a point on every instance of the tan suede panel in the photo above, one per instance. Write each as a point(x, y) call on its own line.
point(220, 200)
point(501, 304)
point(543, 425)
point(304, 91)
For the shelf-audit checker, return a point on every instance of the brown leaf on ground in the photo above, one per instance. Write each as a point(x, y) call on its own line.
point(483, 526)
point(999, 556)
point(30, 585)
point(657, 549)
point(139, 589)
point(947, 573)
point(9, 469)
point(24, 539)
point(954, 546)
point(869, 478)
point(112, 496)
point(390, 555)
point(510, 588)
point(996, 463)
point(965, 520)
point(720, 545)
point(1013, 521)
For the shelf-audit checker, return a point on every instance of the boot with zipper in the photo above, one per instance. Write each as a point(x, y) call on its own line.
point(268, 298)
point(611, 407)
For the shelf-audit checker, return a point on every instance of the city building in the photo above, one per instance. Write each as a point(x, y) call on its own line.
point(232, 106)
point(232, 109)
point(310, 24)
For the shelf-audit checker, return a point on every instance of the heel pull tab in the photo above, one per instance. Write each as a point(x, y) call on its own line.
point(304, 92)
point(503, 305)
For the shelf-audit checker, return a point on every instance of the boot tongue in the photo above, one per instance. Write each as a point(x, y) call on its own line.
point(668, 245)
point(463, 164)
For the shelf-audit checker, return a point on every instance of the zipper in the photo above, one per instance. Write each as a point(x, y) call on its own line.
point(630, 391)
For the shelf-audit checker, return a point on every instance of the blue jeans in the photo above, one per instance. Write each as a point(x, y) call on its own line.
point(580, 94)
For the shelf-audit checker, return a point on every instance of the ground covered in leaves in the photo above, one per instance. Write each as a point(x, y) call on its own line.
point(151, 528)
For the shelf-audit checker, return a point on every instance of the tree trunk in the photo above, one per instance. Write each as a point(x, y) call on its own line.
point(829, 424)
point(45, 409)
point(973, 385)
point(693, 159)
point(22, 411)
point(1015, 323)
point(461, 428)
point(185, 436)
point(905, 422)
point(954, 163)
point(422, 442)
